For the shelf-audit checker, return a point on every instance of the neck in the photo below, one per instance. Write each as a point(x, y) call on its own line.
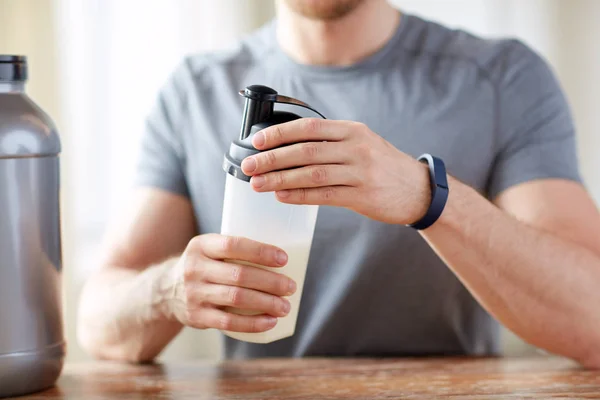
point(12, 87)
point(339, 42)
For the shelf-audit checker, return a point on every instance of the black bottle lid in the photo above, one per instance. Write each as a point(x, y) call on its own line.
point(242, 148)
point(258, 114)
point(13, 68)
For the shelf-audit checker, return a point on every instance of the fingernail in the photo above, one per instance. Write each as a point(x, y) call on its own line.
point(286, 307)
point(281, 257)
point(249, 164)
point(292, 287)
point(283, 193)
point(271, 321)
point(259, 140)
point(258, 181)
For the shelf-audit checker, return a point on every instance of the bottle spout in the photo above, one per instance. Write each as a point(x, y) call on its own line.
point(258, 108)
point(260, 101)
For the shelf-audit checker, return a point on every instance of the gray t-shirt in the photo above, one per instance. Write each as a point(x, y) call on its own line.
point(491, 109)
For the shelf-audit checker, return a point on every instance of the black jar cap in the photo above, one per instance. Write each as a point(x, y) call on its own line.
point(13, 68)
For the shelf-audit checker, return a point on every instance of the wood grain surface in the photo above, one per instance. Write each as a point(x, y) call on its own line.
point(446, 378)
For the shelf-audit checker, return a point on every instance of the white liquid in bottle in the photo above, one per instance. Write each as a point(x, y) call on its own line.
point(296, 270)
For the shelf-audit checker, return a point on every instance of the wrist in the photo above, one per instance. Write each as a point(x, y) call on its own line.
point(421, 198)
point(164, 291)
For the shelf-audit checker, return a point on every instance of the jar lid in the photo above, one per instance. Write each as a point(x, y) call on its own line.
point(13, 68)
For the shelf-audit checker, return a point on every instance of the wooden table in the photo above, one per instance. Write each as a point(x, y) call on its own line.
point(449, 378)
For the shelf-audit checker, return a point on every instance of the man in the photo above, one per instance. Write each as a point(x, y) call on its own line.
point(518, 239)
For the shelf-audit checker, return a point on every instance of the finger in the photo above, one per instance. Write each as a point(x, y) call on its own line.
point(339, 196)
point(219, 319)
point(245, 299)
point(301, 130)
point(222, 247)
point(296, 155)
point(306, 177)
point(248, 277)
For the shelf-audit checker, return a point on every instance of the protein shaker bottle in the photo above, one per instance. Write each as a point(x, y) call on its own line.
point(259, 216)
point(31, 334)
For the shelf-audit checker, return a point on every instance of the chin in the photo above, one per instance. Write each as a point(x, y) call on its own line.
point(324, 9)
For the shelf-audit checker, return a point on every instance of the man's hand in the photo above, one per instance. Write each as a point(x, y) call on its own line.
point(341, 163)
point(202, 284)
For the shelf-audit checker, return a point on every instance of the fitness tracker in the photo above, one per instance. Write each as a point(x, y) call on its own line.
point(439, 191)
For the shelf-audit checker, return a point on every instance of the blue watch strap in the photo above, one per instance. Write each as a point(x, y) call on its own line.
point(439, 191)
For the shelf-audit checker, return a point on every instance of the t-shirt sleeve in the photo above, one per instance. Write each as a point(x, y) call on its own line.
point(161, 156)
point(536, 134)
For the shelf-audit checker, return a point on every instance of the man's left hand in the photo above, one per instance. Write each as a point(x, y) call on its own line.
point(339, 163)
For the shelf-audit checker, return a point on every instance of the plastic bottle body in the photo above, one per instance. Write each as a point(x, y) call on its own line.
point(32, 346)
point(259, 216)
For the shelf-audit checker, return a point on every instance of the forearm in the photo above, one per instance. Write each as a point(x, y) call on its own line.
point(543, 288)
point(122, 314)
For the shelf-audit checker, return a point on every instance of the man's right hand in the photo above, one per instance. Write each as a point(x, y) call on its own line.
point(202, 285)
